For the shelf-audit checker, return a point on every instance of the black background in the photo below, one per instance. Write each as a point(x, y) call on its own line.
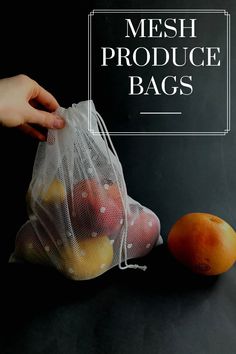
point(165, 309)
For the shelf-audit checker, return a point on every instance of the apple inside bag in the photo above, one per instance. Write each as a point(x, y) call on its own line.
point(81, 219)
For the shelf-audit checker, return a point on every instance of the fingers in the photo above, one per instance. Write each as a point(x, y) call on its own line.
point(45, 119)
point(27, 129)
point(45, 98)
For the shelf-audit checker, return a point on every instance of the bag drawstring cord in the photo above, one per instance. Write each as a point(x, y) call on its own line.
point(123, 245)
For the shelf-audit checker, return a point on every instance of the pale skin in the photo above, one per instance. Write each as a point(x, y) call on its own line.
point(19, 98)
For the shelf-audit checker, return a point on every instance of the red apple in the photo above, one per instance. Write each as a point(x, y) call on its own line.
point(28, 246)
point(96, 207)
point(143, 231)
point(42, 249)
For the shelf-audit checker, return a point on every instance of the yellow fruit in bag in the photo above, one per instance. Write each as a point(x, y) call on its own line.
point(87, 258)
point(55, 193)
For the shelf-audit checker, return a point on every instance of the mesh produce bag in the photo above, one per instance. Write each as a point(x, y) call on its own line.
point(81, 219)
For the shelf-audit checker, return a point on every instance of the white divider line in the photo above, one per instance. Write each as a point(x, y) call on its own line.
point(160, 113)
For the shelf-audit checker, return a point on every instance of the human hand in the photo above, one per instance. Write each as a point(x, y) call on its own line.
point(19, 97)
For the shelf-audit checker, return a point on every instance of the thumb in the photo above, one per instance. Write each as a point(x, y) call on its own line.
point(45, 119)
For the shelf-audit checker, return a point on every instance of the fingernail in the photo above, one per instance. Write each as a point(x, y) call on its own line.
point(42, 137)
point(58, 123)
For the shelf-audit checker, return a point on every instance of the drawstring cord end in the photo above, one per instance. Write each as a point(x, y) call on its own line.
point(133, 266)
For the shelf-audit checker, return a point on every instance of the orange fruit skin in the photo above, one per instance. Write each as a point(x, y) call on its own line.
point(203, 242)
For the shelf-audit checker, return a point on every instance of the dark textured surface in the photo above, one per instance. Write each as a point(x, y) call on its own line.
point(164, 310)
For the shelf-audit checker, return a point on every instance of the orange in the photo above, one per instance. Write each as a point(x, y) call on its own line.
point(203, 242)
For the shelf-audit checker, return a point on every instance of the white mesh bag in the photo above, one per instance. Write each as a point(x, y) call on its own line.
point(81, 219)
